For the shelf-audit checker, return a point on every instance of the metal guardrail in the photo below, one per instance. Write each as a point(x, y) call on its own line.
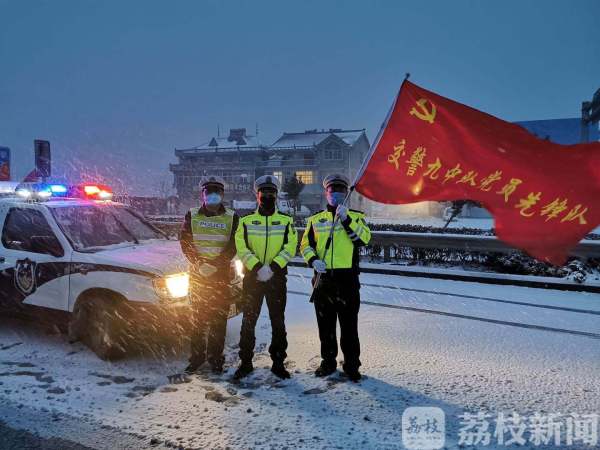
point(491, 244)
point(388, 239)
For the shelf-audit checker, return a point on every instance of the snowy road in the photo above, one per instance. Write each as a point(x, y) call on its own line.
point(458, 346)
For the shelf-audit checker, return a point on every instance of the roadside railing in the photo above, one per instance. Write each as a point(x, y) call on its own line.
point(389, 240)
point(484, 244)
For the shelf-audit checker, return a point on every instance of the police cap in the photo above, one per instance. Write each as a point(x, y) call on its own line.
point(266, 181)
point(336, 178)
point(212, 180)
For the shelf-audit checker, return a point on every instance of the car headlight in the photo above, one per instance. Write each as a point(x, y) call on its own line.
point(173, 286)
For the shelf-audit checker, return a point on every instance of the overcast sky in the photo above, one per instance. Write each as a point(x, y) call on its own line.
point(116, 85)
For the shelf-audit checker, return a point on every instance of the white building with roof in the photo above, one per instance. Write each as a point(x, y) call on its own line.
point(240, 158)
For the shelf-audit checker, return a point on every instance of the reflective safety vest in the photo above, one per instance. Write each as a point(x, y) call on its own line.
point(340, 254)
point(211, 234)
point(266, 239)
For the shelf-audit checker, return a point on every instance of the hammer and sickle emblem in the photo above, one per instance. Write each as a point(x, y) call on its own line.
point(422, 112)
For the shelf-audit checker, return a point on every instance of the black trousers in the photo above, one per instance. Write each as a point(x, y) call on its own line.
point(338, 298)
point(275, 292)
point(210, 307)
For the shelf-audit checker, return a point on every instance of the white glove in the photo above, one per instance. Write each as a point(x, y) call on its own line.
point(206, 270)
point(342, 212)
point(319, 266)
point(264, 274)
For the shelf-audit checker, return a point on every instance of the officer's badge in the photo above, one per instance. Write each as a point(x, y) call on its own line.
point(323, 220)
point(276, 222)
point(256, 222)
point(25, 276)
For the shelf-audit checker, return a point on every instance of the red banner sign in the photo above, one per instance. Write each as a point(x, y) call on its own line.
point(544, 196)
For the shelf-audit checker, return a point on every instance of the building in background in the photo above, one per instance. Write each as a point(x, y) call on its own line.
point(233, 157)
point(590, 117)
point(314, 154)
point(240, 158)
point(310, 155)
point(561, 131)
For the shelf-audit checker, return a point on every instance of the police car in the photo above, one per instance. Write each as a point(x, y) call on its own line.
point(72, 252)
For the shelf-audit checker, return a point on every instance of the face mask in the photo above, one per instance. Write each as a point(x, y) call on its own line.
point(335, 198)
point(212, 199)
point(267, 201)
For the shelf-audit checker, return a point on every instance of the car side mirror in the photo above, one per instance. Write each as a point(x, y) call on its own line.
point(48, 245)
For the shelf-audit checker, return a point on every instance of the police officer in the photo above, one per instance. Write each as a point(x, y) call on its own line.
point(266, 241)
point(337, 296)
point(207, 239)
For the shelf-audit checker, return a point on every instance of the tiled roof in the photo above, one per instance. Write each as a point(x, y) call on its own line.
point(315, 137)
point(237, 140)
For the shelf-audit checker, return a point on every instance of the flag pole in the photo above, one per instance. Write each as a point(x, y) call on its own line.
point(357, 177)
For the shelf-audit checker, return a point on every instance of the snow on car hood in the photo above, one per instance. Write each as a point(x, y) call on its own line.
point(158, 255)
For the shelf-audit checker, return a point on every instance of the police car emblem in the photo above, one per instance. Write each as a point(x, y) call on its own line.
point(25, 276)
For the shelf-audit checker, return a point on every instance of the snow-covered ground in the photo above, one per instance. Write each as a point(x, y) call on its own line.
point(452, 356)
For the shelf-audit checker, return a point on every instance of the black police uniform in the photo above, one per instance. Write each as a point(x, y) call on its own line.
point(210, 297)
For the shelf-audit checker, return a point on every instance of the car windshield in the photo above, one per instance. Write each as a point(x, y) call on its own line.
point(91, 227)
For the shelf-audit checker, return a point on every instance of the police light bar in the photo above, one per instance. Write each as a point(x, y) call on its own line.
point(45, 191)
point(96, 191)
point(40, 191)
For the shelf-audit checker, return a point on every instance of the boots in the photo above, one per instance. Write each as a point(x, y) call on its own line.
point(243, 370)
point(216, 365)
point(279, 369)
point(353, 374)
point(325, 369)
point(193, 366)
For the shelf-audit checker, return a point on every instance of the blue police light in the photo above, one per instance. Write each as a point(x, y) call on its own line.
point(41, 191)
point(58, 190)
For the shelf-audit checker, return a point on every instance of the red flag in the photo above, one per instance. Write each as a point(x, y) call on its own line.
point(544, 196)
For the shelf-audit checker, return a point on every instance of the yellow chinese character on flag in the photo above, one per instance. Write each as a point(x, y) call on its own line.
point(486, 183)
point(452, 173)
point(552, 210)
point(416, 160)
point(526, 203)
point(433, 169)
point(469, 177)
point(398, 152)
point(509, 188)
point(575, 213)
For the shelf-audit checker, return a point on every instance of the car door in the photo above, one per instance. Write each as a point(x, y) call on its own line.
point(36, 259)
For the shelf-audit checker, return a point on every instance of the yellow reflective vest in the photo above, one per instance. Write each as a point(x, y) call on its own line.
point(347, 237)
point(266, 239)
point(211, 233)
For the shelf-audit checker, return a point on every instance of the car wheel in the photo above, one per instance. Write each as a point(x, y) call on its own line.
point(97, 324)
